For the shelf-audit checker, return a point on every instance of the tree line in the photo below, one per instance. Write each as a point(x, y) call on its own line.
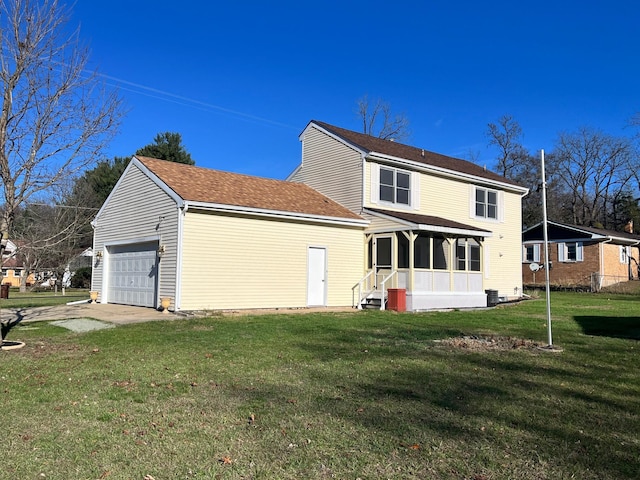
point(592, 177)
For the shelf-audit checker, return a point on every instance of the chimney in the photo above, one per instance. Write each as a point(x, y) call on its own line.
point(629, 227)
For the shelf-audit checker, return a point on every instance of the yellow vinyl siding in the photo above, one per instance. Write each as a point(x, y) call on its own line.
point(134, 212)
point(331, 168)
point(448, 198)
point(234, 262)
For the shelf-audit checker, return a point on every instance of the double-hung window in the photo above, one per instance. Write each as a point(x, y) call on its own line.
point(395, 186)
point(531, 253)
point(486, 202)
point(570, 252)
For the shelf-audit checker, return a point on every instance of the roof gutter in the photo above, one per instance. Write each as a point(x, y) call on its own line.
point(217, 207)
point(446, 172)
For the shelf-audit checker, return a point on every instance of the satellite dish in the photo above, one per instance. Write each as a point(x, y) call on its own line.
point(534, 267)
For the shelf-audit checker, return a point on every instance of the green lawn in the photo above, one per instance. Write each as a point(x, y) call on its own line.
point(42, 298)
point(347, 395)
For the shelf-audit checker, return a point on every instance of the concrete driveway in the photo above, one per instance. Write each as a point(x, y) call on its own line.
point(107, 312)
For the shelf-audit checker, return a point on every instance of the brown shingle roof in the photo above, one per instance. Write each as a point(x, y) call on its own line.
point(199, 184)
point(426, 220)
point(372, 144)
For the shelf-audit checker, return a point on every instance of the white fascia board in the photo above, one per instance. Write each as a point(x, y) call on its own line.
point(457, 231)
point(422, 167)
point(427, 228)
point(165, 188)
point(292, 174)
point(217, 207)
point(624, 241)
point(134, 162)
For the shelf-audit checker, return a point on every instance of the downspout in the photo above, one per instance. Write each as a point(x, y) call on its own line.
point(608, 240)
point(630, 257)
point(182, 211)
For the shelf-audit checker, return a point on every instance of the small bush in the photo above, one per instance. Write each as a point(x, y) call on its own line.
point(82, 278)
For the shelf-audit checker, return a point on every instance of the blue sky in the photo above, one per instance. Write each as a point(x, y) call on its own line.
point(241, 80)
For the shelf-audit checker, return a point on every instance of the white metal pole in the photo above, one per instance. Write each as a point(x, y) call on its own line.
point(546, 248)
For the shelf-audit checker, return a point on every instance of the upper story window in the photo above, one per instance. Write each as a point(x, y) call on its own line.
point(5, 272)
point(486, 202)
point(570, 252)
point(395, 186)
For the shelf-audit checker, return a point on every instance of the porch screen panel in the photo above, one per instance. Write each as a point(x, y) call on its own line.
point(440, 254)
point(422, 247)
point(383, 252)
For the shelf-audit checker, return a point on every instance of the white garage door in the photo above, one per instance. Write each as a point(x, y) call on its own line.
point(133, 274)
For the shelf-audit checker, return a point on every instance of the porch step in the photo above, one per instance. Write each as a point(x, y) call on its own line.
point(373, 301)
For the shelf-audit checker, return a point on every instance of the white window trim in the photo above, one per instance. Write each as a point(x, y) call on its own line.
point(536, 253)
point(562, 252)
point(625, 253)
point(414, 187)
point(499, 206)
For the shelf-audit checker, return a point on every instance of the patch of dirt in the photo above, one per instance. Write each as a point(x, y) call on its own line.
point(36, 349)
point(479, 343)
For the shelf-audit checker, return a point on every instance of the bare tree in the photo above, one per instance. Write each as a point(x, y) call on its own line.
point(506, 135)
point(593, 168)
point(379, 121)
point(56, 116)
point(51, 233)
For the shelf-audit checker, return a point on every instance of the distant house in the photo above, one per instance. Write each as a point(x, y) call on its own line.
point(580, 257)
point(357, 217)
point(13, 267)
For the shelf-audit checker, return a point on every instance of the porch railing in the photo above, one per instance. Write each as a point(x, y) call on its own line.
point(383, 283)
point(365, 289)
point(363, 281)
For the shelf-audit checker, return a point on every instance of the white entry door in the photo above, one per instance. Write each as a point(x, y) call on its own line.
point(317, 277)
point(133, 274)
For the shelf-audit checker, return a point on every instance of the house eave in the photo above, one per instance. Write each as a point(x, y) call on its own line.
point(428, 228)
point(425, 168)
point(277, 214)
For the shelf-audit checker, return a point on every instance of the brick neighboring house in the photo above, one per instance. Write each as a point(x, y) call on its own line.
point(580, 257)
point(12, 267)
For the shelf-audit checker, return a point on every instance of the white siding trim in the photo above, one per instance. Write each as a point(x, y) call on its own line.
point(415, 190)
point(472, 201)
point(375, 183)
point(179, 255)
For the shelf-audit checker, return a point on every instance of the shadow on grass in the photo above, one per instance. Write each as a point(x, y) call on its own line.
point(616, 327)
point(509, 403)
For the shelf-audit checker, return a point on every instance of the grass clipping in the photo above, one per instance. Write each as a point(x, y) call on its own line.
point(480, 343)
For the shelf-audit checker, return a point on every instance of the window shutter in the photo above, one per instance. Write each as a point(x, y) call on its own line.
point(472, 201)
point(375, 183)
point(561, 250)
point(501, 206)
point(579, 254)
point(415, 190)
point(621, 252)
point(536, 253)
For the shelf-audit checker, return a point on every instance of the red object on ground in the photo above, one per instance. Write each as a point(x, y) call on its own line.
point(397, 299)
